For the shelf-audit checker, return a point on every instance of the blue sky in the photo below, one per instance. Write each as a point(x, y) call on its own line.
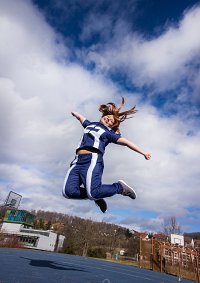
point(60, 56)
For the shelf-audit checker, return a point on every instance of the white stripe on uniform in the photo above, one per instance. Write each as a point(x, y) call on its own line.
point(67, 175)
point(89, 175)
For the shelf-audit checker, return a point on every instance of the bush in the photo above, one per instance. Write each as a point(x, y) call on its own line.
point(11, 242)
point(68, 250)
point(97, 252)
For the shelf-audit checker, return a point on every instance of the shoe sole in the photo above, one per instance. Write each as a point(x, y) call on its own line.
point(131, 194)
point(102, 210)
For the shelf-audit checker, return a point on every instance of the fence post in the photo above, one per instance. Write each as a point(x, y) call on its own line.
point(197, 265)
point(152, 253)
point(140, 251)
point(161, 256)
point(179, 263)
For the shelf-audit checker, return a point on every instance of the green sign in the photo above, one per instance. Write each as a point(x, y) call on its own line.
point(19, 216)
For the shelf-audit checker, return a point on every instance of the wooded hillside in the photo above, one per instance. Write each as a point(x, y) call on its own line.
point(84, 236)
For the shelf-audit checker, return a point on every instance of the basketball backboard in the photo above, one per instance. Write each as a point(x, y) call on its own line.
point(13, 200)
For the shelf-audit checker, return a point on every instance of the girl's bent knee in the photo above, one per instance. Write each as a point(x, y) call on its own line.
point(66, 195)
point(66, 192)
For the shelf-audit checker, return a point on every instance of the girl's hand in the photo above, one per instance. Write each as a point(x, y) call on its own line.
point(78, 116)
point(74, 114)
point(147, 156)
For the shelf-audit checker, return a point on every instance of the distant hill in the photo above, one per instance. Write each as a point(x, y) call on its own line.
point(193, 235)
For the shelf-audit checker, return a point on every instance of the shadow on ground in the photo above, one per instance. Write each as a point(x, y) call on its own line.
point(51, 264)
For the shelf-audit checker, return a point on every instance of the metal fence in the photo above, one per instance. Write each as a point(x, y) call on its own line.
point(184, 262)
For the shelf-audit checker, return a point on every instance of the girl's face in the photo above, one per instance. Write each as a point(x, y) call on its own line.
point(108, 120)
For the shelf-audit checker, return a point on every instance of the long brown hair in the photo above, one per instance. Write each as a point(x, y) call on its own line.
point(119, 117)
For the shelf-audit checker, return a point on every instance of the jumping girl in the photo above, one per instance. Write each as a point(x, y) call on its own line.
point(83, 179)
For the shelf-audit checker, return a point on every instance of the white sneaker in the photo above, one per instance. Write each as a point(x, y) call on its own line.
point(127, 190)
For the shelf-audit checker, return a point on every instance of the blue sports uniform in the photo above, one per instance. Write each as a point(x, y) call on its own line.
point(87, 169)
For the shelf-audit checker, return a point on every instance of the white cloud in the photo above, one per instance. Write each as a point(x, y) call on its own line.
point(163, 61)
point(39, 88)
point(172, 50)
point(144, 224)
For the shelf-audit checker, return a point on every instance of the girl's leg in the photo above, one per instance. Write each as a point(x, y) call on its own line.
point(95, 189)
point(72, 184)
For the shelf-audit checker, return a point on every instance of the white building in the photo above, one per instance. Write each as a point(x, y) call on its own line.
point(18, 223)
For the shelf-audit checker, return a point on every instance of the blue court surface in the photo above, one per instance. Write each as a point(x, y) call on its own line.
point(29, 266)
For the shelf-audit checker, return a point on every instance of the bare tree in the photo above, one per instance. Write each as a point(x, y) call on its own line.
point(171, 226)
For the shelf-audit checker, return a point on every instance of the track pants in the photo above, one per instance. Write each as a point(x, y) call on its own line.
point(83, 179)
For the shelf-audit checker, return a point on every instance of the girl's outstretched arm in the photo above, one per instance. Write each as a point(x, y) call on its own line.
point(78, 116)
point(123, 141)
